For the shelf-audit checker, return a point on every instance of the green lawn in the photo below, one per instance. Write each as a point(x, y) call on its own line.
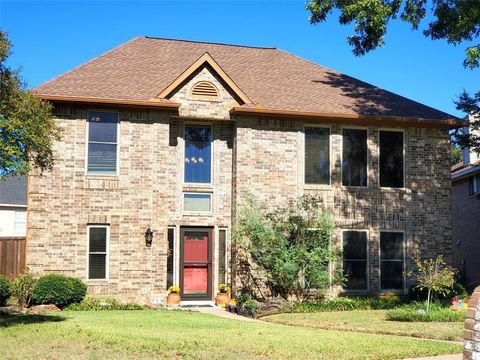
point(371, 321)
point(181, 334)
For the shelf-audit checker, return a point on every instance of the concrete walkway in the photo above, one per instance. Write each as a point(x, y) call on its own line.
point(441, 357)
point(220, 312)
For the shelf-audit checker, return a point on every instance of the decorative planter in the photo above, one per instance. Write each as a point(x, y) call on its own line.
point(173, 300)
point(222, 299)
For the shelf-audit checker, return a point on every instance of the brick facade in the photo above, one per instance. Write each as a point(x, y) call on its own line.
point(472, 328)
point(250, 155)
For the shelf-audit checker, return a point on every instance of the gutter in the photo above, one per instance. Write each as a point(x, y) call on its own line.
point(465, 173)
point(366, 119)
point(151, 103)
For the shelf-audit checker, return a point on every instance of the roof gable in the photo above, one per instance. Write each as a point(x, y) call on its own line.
point(198, 64)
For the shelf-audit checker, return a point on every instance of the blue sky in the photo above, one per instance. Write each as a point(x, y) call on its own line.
point(52, 37)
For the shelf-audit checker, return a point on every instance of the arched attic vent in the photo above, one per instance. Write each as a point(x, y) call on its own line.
point(204, 90)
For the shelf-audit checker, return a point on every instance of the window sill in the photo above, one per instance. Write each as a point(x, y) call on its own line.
point(317, 187)
point(97, 282)
point(198, 214)
point(198, 188)
point(102, 176)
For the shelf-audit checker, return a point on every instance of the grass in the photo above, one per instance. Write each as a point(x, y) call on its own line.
point(190, 335)
point(371, 321)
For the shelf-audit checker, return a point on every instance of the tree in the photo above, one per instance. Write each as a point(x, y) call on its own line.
point(290, 245)
point(456, 154)
point(457, 21)
point(433, 275)
point(27, 129)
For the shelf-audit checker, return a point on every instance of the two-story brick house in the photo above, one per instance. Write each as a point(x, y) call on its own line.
point(172, 135)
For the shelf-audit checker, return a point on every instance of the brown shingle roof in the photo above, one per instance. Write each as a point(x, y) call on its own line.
point(142, 67)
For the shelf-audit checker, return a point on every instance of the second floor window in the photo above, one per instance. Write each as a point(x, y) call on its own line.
point(317, 155)
point(391, 159)
point(198, 154)
point(102, 143)
point(354, 157)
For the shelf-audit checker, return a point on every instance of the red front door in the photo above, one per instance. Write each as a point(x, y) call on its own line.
point(196, 264)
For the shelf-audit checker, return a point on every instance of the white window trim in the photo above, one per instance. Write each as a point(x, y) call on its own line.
point(107, 255)
point(404, 280)
point(87, 143)
point(404, 158)
point(174, 255)
point(206, 124)
point(368, 156)
point(368, 261)
point(330, 168)
point(23, 230)
point(209, 212)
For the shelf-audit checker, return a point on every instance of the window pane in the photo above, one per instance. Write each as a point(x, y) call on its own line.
point(354, 157)
point(197, 202)
point(356, 274)
point(317, 155)
point(355, 245)
point(222, 238)
point(170, 256)
point(19, 225)
point(392, 275)
point(102, 158)
point(102, 127)
point(391, 159)
point(98, 240)
point(198, 145)
point(97, 266)
point(391, 246)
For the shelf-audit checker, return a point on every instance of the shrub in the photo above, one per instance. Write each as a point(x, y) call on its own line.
point(346, 304)
point(58, 289)
point(4, 290)
point(420, 315)
point(22, 287)
point(103, 303)
point(243, 297)
point(251, 306)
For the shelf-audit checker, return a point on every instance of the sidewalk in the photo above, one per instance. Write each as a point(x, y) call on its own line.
point(442, 357)
point(220, 312)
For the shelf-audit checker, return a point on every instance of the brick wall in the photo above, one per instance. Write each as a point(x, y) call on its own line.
point(472, 328)
point(466, 230)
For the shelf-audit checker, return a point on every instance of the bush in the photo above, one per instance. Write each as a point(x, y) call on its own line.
point(22, 287)
point(243, 297)
point(457, 289)
point(420, 315)
point(103, 303)
point(4, 290)
point(58, 289)
point(346, 304)
point(251, 306)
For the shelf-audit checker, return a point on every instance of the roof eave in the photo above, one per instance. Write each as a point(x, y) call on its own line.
point(366, 119)
point(152, 103)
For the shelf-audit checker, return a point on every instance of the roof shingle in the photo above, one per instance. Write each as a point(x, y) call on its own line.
point(142, 67)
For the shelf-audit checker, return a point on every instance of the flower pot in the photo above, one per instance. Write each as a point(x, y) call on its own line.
point(222, 299)
point(173, 300)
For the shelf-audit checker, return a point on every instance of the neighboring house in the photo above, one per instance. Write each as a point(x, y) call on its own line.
point(171, 136)
point(466, 218)
point(13, 210)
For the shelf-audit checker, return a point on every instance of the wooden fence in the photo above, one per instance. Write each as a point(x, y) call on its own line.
point(12, 256)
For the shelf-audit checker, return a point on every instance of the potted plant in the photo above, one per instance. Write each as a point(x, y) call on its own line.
point(173, 298)
point(223, 295)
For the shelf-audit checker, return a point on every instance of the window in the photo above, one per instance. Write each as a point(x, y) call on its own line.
point(170, 257)
point(102, 143)
point(198, 154)
point(19, 223)
point(222, 256)
point(392, 258)
point(97, 252)
point(473, 185)
point(317, 155)
point(391, 159)
point(197, 202)
point(355, 263)
point(354, 157)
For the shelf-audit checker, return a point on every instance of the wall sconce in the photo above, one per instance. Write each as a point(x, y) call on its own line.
point(148, 237)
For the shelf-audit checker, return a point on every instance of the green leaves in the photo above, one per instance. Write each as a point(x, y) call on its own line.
point(291, 245)
point(27, 129)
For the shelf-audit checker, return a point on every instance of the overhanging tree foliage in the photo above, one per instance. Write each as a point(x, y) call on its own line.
point(290, 245)
point(27, 129)
point(457, 21)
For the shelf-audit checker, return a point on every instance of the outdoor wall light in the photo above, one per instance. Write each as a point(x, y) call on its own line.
point(148, 237)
